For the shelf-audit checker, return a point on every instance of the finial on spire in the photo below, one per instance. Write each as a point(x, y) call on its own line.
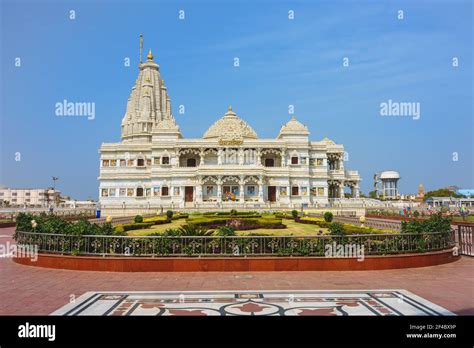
point(150, 55)
point(230, 107)
point(141, 47)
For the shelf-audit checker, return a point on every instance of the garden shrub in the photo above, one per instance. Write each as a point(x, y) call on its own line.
point(51, 223)
point(328, 216)
point(169, 214)
point(314, 221)
point(136, 226)
point(294, 214)
point(180, 216)
point(138, 219)
point(337, 229)
point(233, 212)
point(119, 229)
point(238, 223)
point(225, 231)
point(157, 220)
point(436, 223)
point(186, 230)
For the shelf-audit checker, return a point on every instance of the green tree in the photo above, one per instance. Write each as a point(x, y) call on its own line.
point(373, 194)
point(441, 193)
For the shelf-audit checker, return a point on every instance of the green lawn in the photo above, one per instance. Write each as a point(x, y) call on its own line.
point(157, 228)
point(469, 218)
point(293, 228)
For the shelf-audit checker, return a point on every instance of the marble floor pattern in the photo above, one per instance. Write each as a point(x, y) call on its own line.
point(260, 302)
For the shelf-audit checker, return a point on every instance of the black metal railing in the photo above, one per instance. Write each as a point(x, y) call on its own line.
point(465, 239)
point(159, 246)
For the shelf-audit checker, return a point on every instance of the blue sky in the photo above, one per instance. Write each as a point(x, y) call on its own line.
point(282, 62)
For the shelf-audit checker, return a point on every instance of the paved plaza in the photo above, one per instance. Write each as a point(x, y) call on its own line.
point(251, 303)
point(27, 290)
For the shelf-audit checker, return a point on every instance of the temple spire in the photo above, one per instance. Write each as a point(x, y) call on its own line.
point(141, 47)
point(150, 55)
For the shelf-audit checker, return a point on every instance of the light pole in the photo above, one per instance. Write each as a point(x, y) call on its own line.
point(55, 178)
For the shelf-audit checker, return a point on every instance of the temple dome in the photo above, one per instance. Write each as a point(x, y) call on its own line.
point(293, 127)
point(230, 127)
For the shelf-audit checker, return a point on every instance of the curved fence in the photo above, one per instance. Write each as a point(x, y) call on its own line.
point(244, 246)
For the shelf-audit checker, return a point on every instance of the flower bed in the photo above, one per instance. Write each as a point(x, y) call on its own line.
point(240, 223)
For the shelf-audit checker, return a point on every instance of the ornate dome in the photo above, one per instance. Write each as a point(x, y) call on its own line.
point(293, 127)
point(230, 127)
point(328, 141)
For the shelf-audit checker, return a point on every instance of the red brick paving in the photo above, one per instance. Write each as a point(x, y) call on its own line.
point(26, 290)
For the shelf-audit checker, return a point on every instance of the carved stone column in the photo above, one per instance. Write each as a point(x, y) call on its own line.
point(240, 155)
point(260, 189)
point(259, 157)
point(201, 156)
point(219, 189)
point(356, 191)
point(341, 189)
point(199, 190)
point(219, 156)
point(241, 189)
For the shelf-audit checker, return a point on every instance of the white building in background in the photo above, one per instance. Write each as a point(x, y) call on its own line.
point(154, 166)
point(386, 184)
point(29, 197)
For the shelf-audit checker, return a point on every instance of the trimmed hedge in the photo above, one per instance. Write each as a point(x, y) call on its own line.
point(350, 229)
point(157, 220)
point(314, 221)
point(227, 214)
point(134, 226)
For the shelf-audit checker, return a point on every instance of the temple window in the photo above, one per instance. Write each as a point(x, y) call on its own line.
point(303, 160)
point(191, 162)
point(105, 193)
point(123, 163)
point(294, 160)
point(319, 162)
point(156, 160)
point(105, 163)
point(130, 163)
point(139, 191)
point(164, 191)
point(269, 162)
point(294, 191)
point(148, 162)
point(122, 192)
point(165, 160)
point(113, 163)
point(140, 162)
